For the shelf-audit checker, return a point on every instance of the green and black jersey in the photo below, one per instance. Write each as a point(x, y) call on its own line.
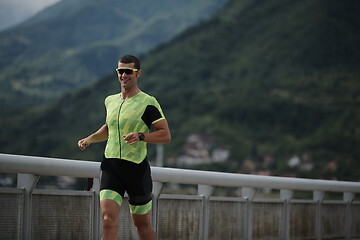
point(135, 114)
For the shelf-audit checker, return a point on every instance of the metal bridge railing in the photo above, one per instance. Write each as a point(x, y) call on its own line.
point(201, 216)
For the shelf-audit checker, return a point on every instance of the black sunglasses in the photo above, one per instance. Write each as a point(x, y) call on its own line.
point(128, 71)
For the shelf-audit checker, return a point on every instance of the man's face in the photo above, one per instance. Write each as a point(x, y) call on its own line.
point(126, 79)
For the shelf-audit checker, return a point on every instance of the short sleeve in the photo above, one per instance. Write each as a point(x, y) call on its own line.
point(151, 115)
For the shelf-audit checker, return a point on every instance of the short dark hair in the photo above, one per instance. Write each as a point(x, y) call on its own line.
point(130, 59)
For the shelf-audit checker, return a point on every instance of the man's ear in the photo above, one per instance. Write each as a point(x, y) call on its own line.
point(139, 73)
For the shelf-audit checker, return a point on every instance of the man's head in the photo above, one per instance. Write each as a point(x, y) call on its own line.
point(128, 72)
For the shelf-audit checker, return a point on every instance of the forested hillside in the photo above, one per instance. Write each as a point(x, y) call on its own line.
point(260, 78)
point(75, 42)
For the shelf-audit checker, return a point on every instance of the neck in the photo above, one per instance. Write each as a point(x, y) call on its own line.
point(125, 94)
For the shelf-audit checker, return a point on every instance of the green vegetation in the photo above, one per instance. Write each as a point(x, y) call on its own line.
point(278, 78)
point(76, 42)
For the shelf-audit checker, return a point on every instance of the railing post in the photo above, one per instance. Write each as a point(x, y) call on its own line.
point(286, 195)
point(28, 182)
point(318, 196)
point(96, 222)
point(157, 188)
point(348, 198)
point(248, 194)
point(205, 191)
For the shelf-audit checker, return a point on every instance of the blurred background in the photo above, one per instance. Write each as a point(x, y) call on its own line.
point(13, 12)
point(247, 86)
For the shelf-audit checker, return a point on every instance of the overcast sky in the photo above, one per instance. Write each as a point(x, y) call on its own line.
point(16, 11)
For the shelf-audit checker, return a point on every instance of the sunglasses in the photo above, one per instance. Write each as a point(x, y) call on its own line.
point(128, 71)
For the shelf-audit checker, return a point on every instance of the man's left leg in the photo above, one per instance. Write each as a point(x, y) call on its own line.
point(140, 203)
point(143, 226)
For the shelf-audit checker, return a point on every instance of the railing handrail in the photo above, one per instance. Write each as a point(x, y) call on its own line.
point(77, 168)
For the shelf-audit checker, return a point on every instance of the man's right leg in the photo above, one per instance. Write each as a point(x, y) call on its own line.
point(110, 210)
point(111, 196)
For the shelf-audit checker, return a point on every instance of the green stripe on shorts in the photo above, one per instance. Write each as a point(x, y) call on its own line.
point(142, 209)
point(112, 195)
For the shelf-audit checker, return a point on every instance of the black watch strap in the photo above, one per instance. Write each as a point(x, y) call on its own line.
point(141, 137)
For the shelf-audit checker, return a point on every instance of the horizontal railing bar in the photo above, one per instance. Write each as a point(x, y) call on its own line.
point(76, 168)
point(247, 180)
point(48, 166)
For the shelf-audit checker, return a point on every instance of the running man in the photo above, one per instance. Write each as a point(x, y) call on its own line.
point(129, 116)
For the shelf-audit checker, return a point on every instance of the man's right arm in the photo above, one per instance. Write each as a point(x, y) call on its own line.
point(99, 136)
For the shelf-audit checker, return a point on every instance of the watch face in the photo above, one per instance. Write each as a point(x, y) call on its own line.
point(141, 136)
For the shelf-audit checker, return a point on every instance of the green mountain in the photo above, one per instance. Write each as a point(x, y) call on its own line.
point(75, 42)
point(261, 78)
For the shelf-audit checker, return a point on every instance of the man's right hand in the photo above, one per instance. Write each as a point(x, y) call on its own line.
point(83, 143)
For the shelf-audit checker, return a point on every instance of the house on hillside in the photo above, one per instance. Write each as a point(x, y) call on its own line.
point(199, 149)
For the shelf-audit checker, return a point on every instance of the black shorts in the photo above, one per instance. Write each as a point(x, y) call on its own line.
point(122, 175)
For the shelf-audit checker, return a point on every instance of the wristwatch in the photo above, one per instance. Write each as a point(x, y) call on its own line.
point(141, 137)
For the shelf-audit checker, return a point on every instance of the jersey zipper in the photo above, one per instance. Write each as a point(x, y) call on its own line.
point(118, 125)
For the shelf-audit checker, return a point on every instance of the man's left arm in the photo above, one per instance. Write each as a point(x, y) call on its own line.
point(161, 135)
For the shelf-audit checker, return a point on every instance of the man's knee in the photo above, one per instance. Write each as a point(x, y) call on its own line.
point(110, 213)
point(142, 226)
point(141, 222)
point(109, 222)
